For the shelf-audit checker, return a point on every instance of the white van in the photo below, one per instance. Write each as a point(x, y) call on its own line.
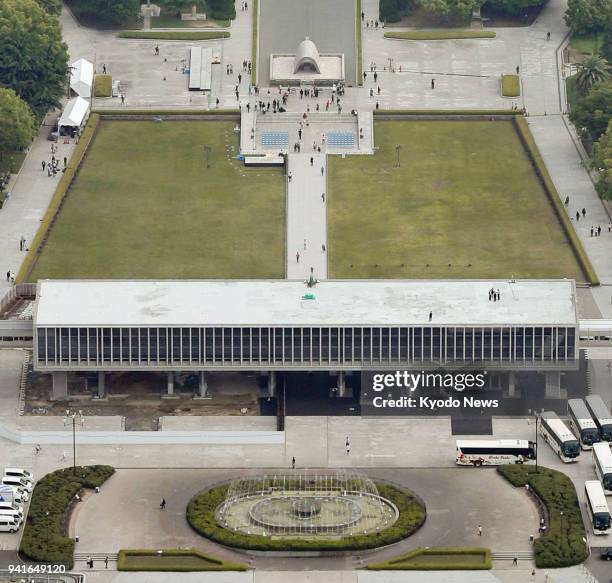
point(19, 496)
point(20, 483)
point(19, 473)
point(14, 515)
point(7, 524)
point(9, 506)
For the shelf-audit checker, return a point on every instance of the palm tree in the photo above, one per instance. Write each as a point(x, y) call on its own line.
point(593, 70)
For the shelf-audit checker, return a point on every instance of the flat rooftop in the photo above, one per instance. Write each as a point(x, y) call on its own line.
point(278, 303)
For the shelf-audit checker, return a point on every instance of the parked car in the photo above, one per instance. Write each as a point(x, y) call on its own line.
point(53, 134)
point(20, 483)
point(606, 554)
point(7, 524)
point(14, 515)
point(19, 473)
point(9, 506)
point(16, 495)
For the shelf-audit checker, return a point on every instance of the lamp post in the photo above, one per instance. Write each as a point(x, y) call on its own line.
point(73, 415)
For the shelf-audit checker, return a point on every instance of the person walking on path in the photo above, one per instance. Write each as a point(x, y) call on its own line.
point(433, 83)
point(517, 69)
point(106, 562)
point(323, 199)
point(304, 244)
point(515, 560)
point(548, 36)
point(8, 275)
point(162, 505)
point(311, 161)
point(348, 448)
point(583, 212)
point(322, 170)
point(430, 316)
point(479, 530)
point(293, 463)
point(43, 164)
point(323, 248)
point(297, 257)
point(22, 243)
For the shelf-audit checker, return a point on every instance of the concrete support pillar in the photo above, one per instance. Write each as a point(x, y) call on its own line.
point(60, 386)
point(511, 385)
point(553, 384)
point(203, 385)
point(101, 384)
point(170, 392)
point(341, 384)
point(272, 384)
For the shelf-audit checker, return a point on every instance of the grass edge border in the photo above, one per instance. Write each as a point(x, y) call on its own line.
point(389, 564)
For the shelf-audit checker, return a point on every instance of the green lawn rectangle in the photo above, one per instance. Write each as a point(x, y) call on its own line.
point(175, 34)
point(178, 560)
point(510, 86)
point(438, 559)
point(103, 86)
point(144, 205)
point(465, 202)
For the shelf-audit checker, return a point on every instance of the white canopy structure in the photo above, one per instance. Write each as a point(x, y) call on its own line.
point(307, 57)
point(75, 114)
point(82, 77)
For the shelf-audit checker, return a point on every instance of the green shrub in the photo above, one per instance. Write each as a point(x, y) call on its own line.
point(549, 187)
point(201, 517)
point(169, 112)
point(175, 34)
point(43, 537)
point(445, 112)
point(103, 86)
point(446, 34)
point(438, 559)
point(562, 545)
point(60, 192)
point(173, 560)
point(510, 86)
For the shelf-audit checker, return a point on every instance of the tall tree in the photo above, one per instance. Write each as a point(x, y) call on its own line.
point(588, 16)
point(17, 122)
point(222, 9)
point(110, 11)
point(33, 58)
point(602, 161)
point(594, 110)
point(593, 70)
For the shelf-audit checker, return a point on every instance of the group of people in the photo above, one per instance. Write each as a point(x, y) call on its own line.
point(371, 23)
point(10, 276)
point(494, 295)
point(244, 6)
point(53, 166)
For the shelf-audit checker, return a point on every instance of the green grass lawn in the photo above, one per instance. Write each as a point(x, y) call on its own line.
point(144, 205)
point(173, 560)
point(175, 35)
point(587, 44)
point(510, 86)
point(11, 161)
point(571, 91)
point(465, 193)
point(103, 86)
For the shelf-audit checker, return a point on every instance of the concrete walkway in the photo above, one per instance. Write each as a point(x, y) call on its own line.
point(306, 216)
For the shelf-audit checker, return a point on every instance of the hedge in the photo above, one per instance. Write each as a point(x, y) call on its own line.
point(428, 559)
point(559, 547)
point(447, 34)
point(255, 8)
point(359, 45)
point(60, 192)
point(540, 167)
point(156, 112)
point(510, 86)
point(175, 35)
point(183, 560)
point(201, 517)
point(43, 537)
point(103, 86)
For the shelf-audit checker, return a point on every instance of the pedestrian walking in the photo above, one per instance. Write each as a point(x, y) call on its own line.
point(583, 212)
point(300, 133)
point(293, 463)
point(548, 36)
point(104, 68)
point(378, 90)
point(375, 76)
point(577, 216)
point(430, 316)
point(479, 530)
point(289, 176)
point(591, 230)
point(162, 504)
point(22, 243)
point(348, 448)
point(322, 170)
point(323, 247)
point(311, 161)
point(566, 200)
point(65, 161)
point(297, 257)
point(377, 105)
point(43, 164)
point(239, 77)
point(304, 244)
point(157, 49)
point(122, 99)
point(365, 75)
point(12, 277)
point(106, 562)
point(8, 276)
point(433, 83)
point(90, 562)
point(598, 230)
point(515, 559)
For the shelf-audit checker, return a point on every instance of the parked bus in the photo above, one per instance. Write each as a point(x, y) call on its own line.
point(597, 507)
point(581, 423)
point(494, 452)
point(559, 437)
point(602, 459)
point(601, 415)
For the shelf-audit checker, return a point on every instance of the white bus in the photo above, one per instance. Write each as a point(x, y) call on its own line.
point(597, 507)
point(559, 437)
point(494, 452)
point(601, 415)
point(602, 460)
point(581, 423)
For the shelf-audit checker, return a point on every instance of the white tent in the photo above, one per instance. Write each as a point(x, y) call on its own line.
point(81, 77)
point(75, 114)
